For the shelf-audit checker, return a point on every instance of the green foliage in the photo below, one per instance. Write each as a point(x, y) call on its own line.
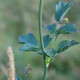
point(30, 43)
point(65, 44)
point(61, 10)
point(15, 21)
point(62, 27)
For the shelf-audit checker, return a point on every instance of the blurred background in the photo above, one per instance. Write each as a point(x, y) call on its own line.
point(18, 17)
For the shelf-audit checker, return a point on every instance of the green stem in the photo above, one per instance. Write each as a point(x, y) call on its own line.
point(58, 26)
point(55, 37)
point(40, 23)
point(41, 39)
point(50, 60)
point(53, 42)
point(45, 68)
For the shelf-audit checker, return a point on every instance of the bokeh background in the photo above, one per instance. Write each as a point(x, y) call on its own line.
point(19, 17)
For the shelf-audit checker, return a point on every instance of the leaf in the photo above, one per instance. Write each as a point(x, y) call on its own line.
point(67, 29)
point(51, 28)
point(42, 53)
point(61, 10)
point(73, 42)
point(48, 52)
point(28, 47)
point(29, 41)
point(22, 39)
point(65, 44)
point(46, 41)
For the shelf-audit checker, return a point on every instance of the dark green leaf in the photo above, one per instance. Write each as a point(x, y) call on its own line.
point(48, 52)
point(28, 47)
point(29, 41)
point(51, 28)
point(73, 42)
point(42, 53)
point(46, 41)
point(65, 44)
point(61, 10)
point(67, 29)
